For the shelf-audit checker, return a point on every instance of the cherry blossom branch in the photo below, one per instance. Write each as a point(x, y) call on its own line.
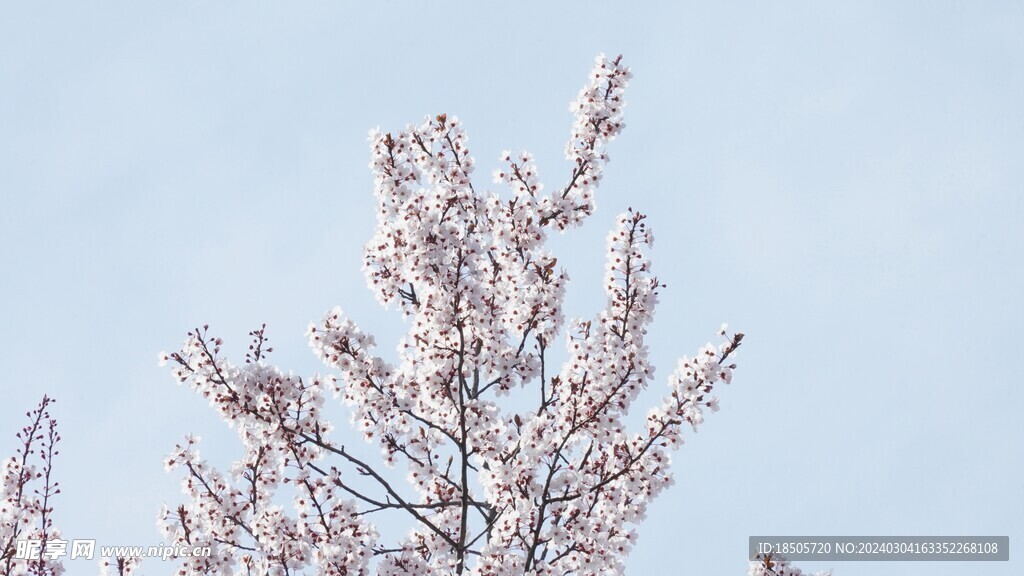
point(25, 510)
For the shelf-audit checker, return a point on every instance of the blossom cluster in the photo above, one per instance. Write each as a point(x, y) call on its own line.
point(558, 489)
point(26, 493)
point(278, 419)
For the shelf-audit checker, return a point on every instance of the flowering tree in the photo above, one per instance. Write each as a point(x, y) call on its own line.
point(26, 498)
point(557, 488)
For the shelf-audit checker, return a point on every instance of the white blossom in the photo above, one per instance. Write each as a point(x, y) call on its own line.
point(557, 489)
point(27, 493)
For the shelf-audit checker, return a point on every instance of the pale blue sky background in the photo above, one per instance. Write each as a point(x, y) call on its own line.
point(842, 183)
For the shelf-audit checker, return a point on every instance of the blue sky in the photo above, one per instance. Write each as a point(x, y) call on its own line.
point(840, 182)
